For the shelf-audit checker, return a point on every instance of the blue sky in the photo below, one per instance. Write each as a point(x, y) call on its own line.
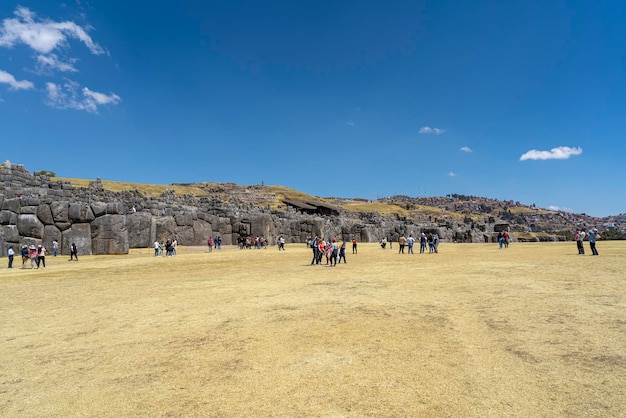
point(521, 100)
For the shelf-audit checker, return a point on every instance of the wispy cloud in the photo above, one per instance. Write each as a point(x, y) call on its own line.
point(70, 96)
point(558, 153)
point(350, 122)
point(46, 63)
point(15, 85)
point(466, 149)
point(44, 35)
point(560, 209)
point(451, 174)
point(429, 130)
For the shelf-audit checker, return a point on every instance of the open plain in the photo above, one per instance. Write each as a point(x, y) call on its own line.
point(533, 330)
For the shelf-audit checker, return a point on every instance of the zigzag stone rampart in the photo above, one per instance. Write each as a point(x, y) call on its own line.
point(36, 210)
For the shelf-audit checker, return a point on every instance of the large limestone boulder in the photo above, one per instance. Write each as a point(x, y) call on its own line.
point(7, 217)
point(50, 234)
point(99, 208)
point(201, 232)
point(109, 235)
point(184, 235)
point(80, 234)
point(263, 226)
point(80, 213)
point(29, 225)
point(10, 233)
point(44, 213)
point(12, 205)
point(60, 211)
point(139, 229)
point(165, 228)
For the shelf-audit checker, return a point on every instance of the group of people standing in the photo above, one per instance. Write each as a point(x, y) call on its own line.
point(169, 246)
point(430, 239)
point(330, 248)
point(592, 235)
point(503, 239)
point(37, 254)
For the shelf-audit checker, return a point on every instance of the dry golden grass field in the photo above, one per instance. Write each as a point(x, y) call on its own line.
point(534, 331)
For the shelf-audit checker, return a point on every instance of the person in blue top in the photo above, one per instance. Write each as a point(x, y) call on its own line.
point(593, 235)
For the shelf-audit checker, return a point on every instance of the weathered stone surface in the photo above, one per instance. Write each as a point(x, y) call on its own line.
point(7, 217)
point(202, 231)
point(263, 226)
point(12, 205)
point(139, 229)
point(184, 235)
point(184, 219)
point(165, 227)
point(10, 233)
point(109, 235)
point(60, 211)
point(98, 208)
point(79, 233)
point(50, 234)
point(80, 213)
point(29, 225)
point(44, 213)
point(116, 208)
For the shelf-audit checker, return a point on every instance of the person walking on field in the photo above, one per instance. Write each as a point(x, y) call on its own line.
point(73, 252)
point(11, 254)
point(580, 237)
point(401, 244)
point(41, 256)
point(354, 250)
point(25, 256)
point(32, 254)
point(342, 252)
point(593, 235)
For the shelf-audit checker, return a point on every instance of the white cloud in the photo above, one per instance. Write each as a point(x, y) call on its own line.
point(466, 149)
point(45, 35)
point(560, 209)
point(451, 174)
point(350, 122)
point(559, 153)
point(15, 85)
point(52, 62)
point(429, 130)
point(71, 96)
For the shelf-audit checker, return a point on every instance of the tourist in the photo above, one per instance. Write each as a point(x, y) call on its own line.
point(580, 237)
point(342, 252)
point(431, 243)
point(156, 248)
point(55, 247)
point(436, 243)
point(383, 242)
point(593, 236)
point(10, 254)
point(505, 239)
point(32, 254)
point(334, 253)
point(321, 247)
point(73, 252)
point(401, 244)
point(500, 239)
point(25, 256)
point(409, 242)
point(41, 256)
point(354, 250)
point(422, 243)
point(210, 243)
point(313, 245)
point(174, 245)
point(281, 243)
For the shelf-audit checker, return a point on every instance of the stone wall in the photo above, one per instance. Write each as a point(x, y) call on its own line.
point(36, 210)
